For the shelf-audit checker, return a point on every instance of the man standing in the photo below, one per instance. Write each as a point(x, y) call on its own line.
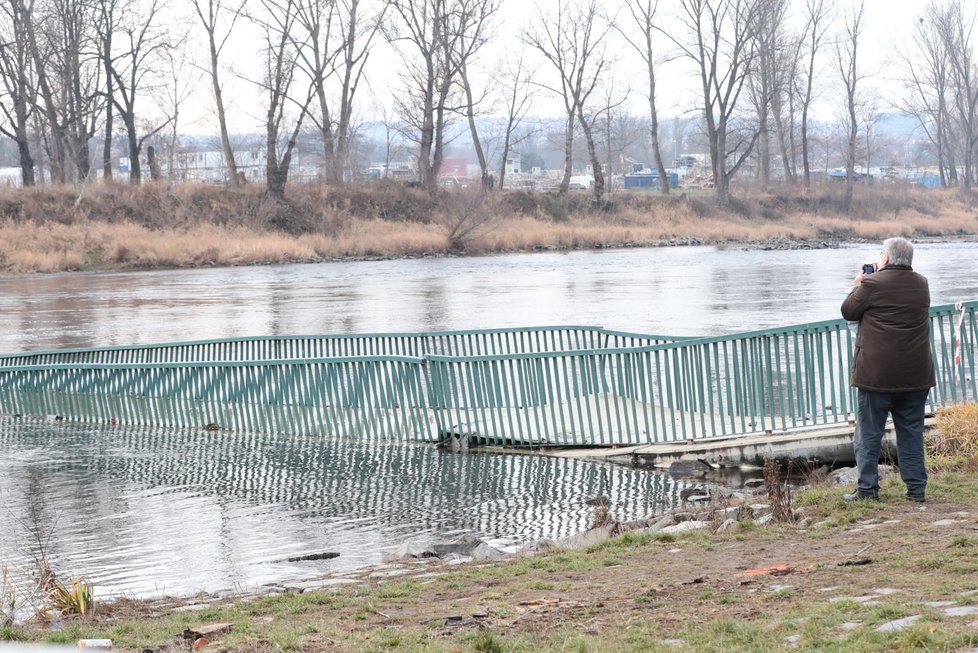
point(892, 367)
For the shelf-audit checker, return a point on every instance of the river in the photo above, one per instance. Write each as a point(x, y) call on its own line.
point(146, 512)
point(678, 290)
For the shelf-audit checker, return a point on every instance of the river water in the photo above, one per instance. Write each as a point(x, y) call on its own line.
point(147, 512)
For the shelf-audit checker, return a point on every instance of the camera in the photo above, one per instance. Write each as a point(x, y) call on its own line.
point(868, 268)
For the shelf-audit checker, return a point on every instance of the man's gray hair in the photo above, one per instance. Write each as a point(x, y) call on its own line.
point(899, 251)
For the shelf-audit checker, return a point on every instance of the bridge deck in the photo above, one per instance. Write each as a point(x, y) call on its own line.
point(604, 420)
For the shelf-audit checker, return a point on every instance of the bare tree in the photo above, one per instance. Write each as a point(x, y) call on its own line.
point(211, 14)
point(16, 99)
point(572, 39)
point(106, 26)
point(60, 36)
point(72, 55)
point(818, 15)
point(134, 68)
point(929, 82)
point(610, 115)
point(871, 118)
point(392, 144)
point(720, 41)
point(340, 37)
point(847, 61)
point(644, 12)
point(473, 25)
point(957, 26)
point(178, 89)
point(767, 80)
point(784, 103)
point(515, 82)
point(430, 75)
point(55, 137)
point(278, 23)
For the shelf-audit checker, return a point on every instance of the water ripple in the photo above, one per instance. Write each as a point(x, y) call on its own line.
point(144, 511)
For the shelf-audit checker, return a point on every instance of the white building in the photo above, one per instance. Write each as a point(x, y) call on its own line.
point(514, 164)
point(209, 165)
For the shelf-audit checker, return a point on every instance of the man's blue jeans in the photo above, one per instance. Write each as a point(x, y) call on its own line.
point(907, 409)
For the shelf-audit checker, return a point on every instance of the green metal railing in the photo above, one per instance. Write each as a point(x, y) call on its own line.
point(366, 396)
point(775, 379)
point(570, 386)
point(457, 343)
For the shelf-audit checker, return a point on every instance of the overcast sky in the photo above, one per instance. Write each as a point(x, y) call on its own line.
point(888, 25)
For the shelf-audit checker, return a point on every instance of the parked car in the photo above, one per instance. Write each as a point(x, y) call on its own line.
point(581, 182)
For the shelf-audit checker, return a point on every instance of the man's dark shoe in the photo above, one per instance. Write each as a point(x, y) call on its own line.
point(917, 498)
point(858, 496)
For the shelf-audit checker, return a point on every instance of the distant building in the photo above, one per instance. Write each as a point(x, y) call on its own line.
point(928, 179)
point(11, 177)
point(210, 166)
point(402, 170)
point(581, 182)
point(514, 164)
point(453, 172)
point(454, 167)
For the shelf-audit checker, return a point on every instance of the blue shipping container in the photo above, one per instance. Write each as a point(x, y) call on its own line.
point(650, 180)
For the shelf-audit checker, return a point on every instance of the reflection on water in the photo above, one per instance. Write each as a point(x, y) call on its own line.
point(149, 511)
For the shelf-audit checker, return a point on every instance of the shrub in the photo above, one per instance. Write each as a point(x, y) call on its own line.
point(75, 598)
point(957, 431)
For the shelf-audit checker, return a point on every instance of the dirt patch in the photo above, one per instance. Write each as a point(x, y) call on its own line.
point(768, 588)
point(698, 577)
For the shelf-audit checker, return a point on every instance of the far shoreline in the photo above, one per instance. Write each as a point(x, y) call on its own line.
point(745, 245)
point(158, 227)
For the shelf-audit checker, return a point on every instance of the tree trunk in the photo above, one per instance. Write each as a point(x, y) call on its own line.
point(660, 165)
point(22, 139)
point(568, 153)
point(107, 144)
point(763, 149)
point(506, 140)
point(56, 138)
point(427, 175)
point(221, 119)
point(718, 147)
point(782, 139)
point(346, 100)
point(155, 173)
point(851, 156)
point(26, 161)
point(83, 157)
point(326, 132)
point(135, 170)
point(598, 188)
point(476, 143)
point(438, 147)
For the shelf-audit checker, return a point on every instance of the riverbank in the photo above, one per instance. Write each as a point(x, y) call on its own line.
point(794, 569)
point(115, 227)
point(893, 575)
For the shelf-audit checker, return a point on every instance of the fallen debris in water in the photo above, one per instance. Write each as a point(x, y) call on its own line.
point(326, 555)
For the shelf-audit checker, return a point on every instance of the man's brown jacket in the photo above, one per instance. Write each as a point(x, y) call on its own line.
point(893, 342)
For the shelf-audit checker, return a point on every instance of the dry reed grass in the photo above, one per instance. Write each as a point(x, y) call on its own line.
point(957, 431)
point(94, 245)
point(118, 226)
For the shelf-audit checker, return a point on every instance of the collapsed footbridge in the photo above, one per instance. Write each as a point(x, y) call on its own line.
point(568, 386)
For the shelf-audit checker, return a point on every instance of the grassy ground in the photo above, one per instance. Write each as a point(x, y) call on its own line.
point(638, 592)
point(158, 226)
